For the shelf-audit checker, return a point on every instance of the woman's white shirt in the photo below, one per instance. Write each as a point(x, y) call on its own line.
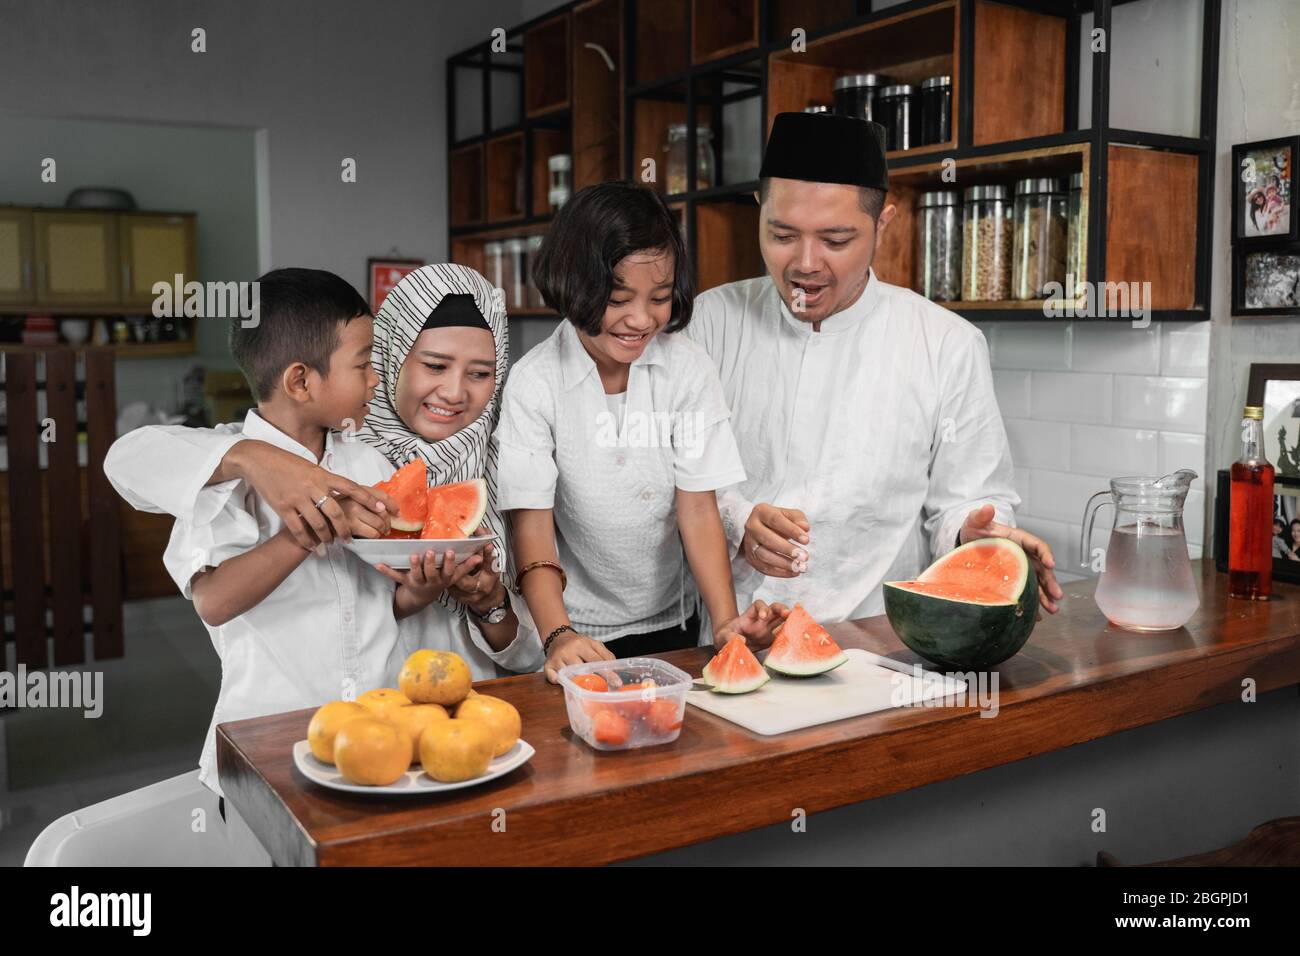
point(611, 479)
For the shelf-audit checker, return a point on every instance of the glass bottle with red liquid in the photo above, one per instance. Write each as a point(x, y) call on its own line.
point(1250, 523)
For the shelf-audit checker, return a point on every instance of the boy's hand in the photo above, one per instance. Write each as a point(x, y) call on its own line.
point(362, 522)
point(756, 627)
point(570, 647)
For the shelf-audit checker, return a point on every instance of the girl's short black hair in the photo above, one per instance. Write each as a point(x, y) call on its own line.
point(593, 232)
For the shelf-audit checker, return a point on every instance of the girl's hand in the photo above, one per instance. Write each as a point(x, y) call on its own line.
point(573, 648)
point(426, 578)
point(756, 627)
point(476, 581)
point(362, 522)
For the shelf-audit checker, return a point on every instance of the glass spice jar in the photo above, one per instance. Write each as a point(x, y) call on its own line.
point(1039, 246)
point(516, 274)
point(535, 300)
point(855, 94)
point(494, 264)
point(676, 149)
point(938, 245)
point(560, 168)
point(936, 110)
point(894, 110)
point(986, 245)
point(1076, 241)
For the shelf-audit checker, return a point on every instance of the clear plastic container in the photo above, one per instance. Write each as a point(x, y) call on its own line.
point(534, 296)
point(627, 719)
point(938, 245)
point(1076, 253)
point(516, 286)
point(986, 245)
point(1040, 244)
point(494, 264)
point(704, 160)
point(560, 168)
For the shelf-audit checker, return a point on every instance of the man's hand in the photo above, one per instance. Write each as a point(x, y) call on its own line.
point(766, 544)
point(570, 647)
point(292, 486)
point(756, 627)
point(980, 524)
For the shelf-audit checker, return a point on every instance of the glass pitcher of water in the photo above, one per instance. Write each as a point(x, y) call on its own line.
point(1146, 578)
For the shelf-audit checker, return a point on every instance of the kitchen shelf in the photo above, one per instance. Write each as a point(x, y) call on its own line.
point(1015, 68)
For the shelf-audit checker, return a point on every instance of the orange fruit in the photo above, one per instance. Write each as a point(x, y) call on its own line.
point(455, 750)
point(435, 677)
point(499, 715)
point(371, 751)
point(383, 701)
point(325, 724)
point(414, 719)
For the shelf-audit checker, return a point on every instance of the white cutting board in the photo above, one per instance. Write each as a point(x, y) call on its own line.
point(865, 683)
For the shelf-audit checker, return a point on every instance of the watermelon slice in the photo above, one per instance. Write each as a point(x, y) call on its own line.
point(407, 488)
point(735, 670)
point(455, 511)
point(970, 610)
point(803, 648)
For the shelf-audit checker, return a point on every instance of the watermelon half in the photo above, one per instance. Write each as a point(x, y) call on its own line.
point(803, 648)
point(407, 487)
point(970, 610)
point(735, 670)
point(455, 511)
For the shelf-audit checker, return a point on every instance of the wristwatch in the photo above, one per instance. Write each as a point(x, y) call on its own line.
point(493, 615)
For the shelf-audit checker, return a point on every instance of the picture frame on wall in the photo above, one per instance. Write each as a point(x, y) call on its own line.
point(1264, 191)
point(1276, 389)
point(383, 274)
point(1266, 281)
point(1286, 526)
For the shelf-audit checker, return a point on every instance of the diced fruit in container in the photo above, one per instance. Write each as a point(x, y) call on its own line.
point(664, 717)
point(591, 682)
point(610, 727)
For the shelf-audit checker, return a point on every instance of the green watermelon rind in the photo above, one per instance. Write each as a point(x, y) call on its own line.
point(958, 634)
point(761, 678)
point(814, 668)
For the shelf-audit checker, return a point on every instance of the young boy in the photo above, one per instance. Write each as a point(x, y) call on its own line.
point(294, 628)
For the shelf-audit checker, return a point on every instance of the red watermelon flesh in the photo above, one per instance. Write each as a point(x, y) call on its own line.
point(735, 670)
point(803, 648)
point(455, 511)
point(407, 487)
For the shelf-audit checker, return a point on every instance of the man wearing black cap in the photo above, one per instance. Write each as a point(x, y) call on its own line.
point(865, 413)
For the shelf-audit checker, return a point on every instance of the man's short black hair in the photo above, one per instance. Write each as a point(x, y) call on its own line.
point(593, 232)
point(297, 319)
point(871, 200)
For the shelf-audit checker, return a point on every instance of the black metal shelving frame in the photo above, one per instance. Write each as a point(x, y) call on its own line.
point(681, 86)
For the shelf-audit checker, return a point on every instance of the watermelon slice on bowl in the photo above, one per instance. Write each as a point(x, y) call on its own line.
point(803, 648)
point(452, 515)
point(407, 486)
point(455, 511)
point(970, 610)
point(735, 670)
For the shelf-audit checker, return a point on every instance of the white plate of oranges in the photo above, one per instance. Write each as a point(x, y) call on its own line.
point(431, 734)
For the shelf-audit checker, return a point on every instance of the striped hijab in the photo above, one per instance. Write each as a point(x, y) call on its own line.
point(467, 454)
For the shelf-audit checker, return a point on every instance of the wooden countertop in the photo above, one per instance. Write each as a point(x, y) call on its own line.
point(1077, 679)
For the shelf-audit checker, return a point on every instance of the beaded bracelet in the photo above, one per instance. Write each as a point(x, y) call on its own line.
point(546, 647)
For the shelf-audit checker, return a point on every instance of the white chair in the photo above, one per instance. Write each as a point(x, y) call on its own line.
point(174, 822)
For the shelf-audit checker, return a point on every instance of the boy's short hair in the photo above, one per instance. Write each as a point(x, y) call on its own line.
point(870, 200)
point(297, 319)
point(592, 233)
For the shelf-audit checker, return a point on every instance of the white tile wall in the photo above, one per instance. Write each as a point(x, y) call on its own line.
point(1087, 401)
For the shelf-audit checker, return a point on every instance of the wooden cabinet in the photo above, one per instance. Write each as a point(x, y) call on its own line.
point(76, 258)
point(153, 248)
point(76, 261)
point(17, 275)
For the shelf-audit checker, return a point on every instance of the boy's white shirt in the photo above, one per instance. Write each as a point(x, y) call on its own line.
point(611, 483)
point(328, 631)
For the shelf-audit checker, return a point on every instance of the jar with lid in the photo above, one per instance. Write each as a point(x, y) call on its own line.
point(817, 108)
point(677, 165)
point(938, 245)
point(894, 110)
point(534, 296)
point(856, 93)
point(936, 110)
point(516, 287)
point(1039, 246)
point(1076, 253)
point(986, 245)
point(494, 264)
point(560, 167)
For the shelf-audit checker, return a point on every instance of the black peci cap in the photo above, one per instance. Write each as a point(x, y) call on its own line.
point(826, 148)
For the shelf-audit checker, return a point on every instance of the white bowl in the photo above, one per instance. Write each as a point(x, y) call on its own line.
point(396, 552)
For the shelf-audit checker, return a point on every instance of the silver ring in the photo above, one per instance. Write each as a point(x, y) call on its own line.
point(323, 499)
point(753, 550)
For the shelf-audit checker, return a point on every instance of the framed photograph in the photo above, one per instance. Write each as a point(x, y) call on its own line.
point(1263, 199)
point(1276, 388)
point(1266, 281)
point(1286, 526)
point(383, 274)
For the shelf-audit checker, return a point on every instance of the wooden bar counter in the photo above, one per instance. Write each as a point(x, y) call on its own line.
point(1078, 679)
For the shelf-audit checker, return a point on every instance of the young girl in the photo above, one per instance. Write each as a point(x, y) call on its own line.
point(614, 436)
point(440, 351)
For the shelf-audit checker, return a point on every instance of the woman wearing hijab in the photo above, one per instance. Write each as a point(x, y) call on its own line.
point(441, 347)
